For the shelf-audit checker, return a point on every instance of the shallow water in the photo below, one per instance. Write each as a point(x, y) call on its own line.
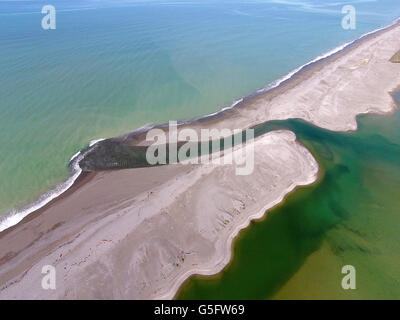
point(113, 66)
point(349, 217)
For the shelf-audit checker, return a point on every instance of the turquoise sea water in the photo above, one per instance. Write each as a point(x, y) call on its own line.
point(113, 66)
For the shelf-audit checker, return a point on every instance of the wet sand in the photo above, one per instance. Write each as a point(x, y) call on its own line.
point(139, 233)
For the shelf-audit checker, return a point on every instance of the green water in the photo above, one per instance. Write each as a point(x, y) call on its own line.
point(112, 66)
point(349, 217)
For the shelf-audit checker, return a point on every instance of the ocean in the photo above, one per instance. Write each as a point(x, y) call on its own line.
point(111, 67)
point(349, 217)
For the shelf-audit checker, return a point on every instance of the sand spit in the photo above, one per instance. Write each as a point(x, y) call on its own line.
point(145, 244)
point(139, 233)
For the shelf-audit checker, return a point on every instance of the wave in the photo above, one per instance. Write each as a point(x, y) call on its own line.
point(322, 57)
point(222, 110)
point(16, 216)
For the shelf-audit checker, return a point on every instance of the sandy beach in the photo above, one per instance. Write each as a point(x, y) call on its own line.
point(327, 93)
point(139, 233)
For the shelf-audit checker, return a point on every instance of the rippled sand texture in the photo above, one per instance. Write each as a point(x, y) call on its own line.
point(139, 233)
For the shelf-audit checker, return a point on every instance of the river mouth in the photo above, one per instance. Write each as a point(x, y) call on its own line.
point(348, 217)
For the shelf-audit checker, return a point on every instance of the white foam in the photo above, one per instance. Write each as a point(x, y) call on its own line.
point(321, 57)
point(16, 216)
point(276, 83)
point(223, 109)
point(74, 156)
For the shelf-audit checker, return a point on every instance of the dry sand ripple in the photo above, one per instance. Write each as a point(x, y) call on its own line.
point(139, 233)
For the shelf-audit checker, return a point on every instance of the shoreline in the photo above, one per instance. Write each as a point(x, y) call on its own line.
point(15, 217)
point(128, 232)
point(229, 255)
point(317, 179)
point(190, 181)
